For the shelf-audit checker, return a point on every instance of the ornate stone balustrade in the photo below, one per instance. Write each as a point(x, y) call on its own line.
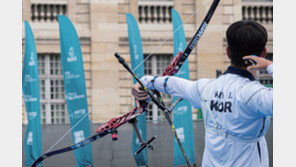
point(47, 11)
point(155, 11)
point(258, 11)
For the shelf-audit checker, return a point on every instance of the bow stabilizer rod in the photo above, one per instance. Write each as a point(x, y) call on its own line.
point(143, 144)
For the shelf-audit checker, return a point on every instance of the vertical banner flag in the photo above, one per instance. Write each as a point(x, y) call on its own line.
point(136, 53)
point(182, 113)
point(74, 81)
point(30, 85)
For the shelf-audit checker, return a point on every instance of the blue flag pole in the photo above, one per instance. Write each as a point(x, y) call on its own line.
point(30, 86)
point(182, 113)
point(136, 54)
point(74, 81)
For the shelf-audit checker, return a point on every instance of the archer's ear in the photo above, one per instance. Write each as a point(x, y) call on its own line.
point(228, 52)
point(263, 55)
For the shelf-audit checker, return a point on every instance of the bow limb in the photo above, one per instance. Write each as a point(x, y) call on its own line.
point(101, 131)
point(180, 58)
point(69, 148)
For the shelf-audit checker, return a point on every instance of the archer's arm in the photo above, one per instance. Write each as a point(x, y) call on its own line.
point(174, 86)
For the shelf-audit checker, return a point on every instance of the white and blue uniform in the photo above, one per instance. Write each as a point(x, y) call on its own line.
point(236, 111)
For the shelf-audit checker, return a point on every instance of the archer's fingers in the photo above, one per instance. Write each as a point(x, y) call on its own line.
point(140, 97)
point(138, 88)
point(139, 93)
point(253, 68)
point(251, 58)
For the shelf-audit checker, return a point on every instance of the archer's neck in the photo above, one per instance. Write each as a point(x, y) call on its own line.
point(245, 68)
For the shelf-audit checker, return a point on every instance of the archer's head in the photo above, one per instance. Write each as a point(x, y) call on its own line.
point(245, 38)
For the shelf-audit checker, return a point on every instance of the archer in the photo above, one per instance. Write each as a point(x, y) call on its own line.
point(237, 120)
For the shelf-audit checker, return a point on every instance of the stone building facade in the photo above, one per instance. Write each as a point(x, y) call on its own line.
point(102, 30)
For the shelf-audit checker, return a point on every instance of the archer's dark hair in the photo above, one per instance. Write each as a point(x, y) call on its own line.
point(245, 38)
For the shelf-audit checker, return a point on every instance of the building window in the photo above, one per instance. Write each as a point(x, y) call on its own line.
point(155, 12)
point(262, 75)
point(47, 12)
point(155, 65)
point(258, 11)
point(52, 93)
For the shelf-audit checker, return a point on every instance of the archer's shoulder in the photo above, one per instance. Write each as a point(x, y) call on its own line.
point(252, 88)
point(201, 83)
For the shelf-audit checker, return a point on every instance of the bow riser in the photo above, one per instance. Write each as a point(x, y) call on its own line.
point(116, 122)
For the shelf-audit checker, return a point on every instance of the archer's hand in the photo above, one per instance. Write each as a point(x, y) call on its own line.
point(261, 63)
point(139, 93)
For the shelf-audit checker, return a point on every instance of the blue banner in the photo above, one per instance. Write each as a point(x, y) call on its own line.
point(30, 85)
point(136, 53)
point(74, 81)
point(182, 113)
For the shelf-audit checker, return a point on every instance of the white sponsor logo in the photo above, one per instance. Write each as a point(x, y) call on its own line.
point(71, 54)
point(180, 72)
point(30, 138)
point(180, 133)
point(80, 112)
point(29, 98)
point(32, 115)
point(202, 29)
point(79, 136)
point(71, 76)
point(70, 116)
point(32, 62)
point(180, 47)
point(181, 110)
point(135, 52)
point(74, 96)
point(28, 78)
